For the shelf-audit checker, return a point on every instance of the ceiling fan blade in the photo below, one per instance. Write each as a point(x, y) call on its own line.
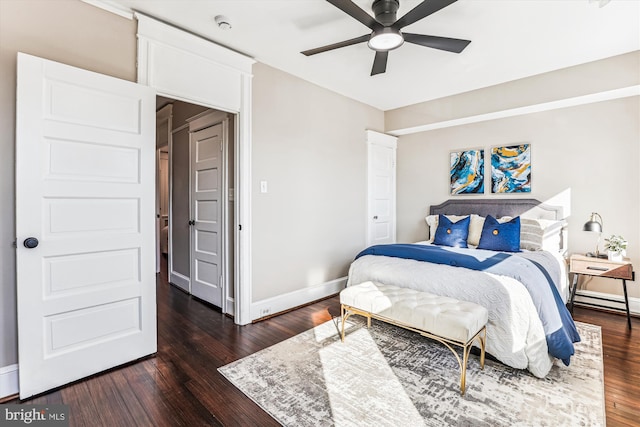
point(336, 45)
point(442, 43)
point(422, 10)
point(380, 63)
point(353, 10)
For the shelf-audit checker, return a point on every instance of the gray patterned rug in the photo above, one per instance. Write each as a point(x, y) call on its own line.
point(388, 376)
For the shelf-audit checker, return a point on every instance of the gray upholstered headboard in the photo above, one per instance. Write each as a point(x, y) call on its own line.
point(527, 208)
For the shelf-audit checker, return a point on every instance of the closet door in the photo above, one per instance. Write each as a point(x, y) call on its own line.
point(206, 214)
point(381, 170)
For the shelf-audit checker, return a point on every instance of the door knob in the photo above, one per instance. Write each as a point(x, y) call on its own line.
point(30, 242)
point(375, 217)
point(192, 222)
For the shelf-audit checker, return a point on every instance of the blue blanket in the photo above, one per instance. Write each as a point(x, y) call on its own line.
point(559, 328)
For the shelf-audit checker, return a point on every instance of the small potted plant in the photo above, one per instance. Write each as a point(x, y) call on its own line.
point(616, 247)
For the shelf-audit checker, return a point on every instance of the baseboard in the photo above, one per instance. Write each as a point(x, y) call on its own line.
point(230, 307)
point(271, 306)
point(9, 380)
point(179, 280)
point(634, 303)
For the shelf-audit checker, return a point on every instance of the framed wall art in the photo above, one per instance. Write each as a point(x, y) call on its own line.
point(511, 169)
point(466, 172)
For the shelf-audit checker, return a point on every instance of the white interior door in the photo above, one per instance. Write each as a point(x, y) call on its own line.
point(206, 213)
point(85, 185)
point(381, 169)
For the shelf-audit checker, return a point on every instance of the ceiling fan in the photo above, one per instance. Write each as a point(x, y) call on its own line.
point(385, 29)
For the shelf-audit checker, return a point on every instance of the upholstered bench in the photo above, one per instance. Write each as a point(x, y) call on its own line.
point(443, 319)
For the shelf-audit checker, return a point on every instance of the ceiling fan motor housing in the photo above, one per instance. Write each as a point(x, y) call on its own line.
point(385, 11)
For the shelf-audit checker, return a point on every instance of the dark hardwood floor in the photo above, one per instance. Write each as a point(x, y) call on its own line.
point(621, 356)
point(180, 385)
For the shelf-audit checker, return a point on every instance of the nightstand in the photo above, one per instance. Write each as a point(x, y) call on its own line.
point(588, 266)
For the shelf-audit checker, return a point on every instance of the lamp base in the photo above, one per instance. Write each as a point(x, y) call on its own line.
point(592, 255)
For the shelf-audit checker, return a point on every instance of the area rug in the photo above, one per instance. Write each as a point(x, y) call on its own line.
point(387, 376)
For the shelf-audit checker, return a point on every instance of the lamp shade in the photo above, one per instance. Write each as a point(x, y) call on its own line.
point(594, 224)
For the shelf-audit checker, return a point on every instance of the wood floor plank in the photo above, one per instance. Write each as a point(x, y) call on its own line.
point(122, 383)
point(83, 410)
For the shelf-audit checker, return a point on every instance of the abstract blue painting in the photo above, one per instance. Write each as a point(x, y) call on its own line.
point(467, 172)
point(511, 169)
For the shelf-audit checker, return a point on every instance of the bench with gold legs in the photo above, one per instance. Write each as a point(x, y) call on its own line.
point(444, 319)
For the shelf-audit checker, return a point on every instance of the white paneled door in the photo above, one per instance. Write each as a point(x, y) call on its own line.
point(381, 169)
point(85, 189)
point(206, 213)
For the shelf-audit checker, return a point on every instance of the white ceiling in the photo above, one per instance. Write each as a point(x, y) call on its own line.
point(511, 39)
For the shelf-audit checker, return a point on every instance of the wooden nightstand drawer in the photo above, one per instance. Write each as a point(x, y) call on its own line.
point(601, 267)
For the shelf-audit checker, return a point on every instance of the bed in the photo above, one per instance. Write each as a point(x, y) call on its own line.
point(525, 290)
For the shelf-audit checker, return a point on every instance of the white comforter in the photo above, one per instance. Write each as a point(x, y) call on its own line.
point(515, 335)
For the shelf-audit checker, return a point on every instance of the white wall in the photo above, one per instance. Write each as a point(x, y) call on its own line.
point(587, 156)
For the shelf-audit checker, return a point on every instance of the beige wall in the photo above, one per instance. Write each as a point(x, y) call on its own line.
point(586, 156)
point(309, 145)
point(67, 31)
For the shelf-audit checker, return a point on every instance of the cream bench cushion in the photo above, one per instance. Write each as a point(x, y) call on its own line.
point(444, 319)
point(443, 316)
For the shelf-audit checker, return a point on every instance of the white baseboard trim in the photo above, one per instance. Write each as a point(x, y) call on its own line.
point(9, 380)
point(270, 306)
point(230, 307)
point(179, 280)
point(634, 303)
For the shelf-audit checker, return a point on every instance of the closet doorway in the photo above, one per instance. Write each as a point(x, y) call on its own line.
point(197, 239)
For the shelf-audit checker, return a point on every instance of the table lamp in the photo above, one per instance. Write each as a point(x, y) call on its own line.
point(595, 225)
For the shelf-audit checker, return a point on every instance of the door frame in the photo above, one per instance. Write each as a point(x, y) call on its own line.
point(162, 115)
point(175, 277)
point(223, 81)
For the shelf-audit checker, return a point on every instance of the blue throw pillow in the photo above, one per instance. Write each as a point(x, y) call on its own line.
point(504, 237)
point(451, 233)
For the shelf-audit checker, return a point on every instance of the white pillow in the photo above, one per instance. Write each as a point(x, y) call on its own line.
point(475, 229)
point(540, 234)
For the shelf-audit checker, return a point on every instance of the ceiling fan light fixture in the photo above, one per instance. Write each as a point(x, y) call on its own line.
point(385, 39)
